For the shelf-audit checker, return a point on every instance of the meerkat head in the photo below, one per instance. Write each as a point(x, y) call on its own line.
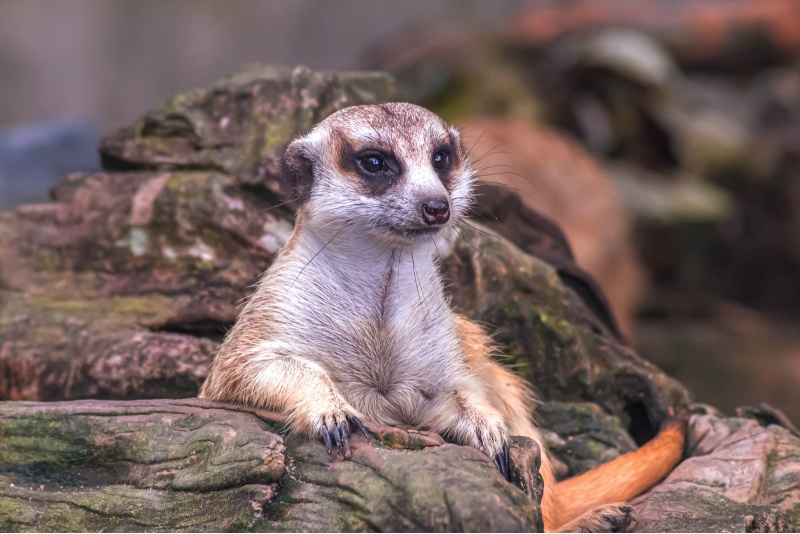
point(395, 172)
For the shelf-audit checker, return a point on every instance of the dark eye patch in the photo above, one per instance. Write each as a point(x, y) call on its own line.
point(443, 159)
point(374, 164)
point(375, 169)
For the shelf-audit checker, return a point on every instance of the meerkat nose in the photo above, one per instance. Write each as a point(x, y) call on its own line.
point(435, 212)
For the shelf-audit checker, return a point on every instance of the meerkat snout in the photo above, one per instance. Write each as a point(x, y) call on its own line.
point(435, 212)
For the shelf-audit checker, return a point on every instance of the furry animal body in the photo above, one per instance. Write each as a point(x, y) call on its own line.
point(351, 321)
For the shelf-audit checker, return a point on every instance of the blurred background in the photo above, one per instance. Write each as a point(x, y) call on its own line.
point(664, 137)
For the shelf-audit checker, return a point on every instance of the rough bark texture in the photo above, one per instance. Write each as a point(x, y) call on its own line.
point(122, 287)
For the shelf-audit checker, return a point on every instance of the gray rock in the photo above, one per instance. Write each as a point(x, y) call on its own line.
point(195, 465)
point(582, 436)
point(739, 477)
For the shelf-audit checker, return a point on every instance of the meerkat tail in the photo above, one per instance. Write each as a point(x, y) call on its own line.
point(618, 480)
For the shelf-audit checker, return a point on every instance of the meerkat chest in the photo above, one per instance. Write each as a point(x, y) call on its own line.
point(399, 347)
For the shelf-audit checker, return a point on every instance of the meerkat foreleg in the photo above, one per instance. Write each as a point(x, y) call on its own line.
point(303, 391)
point(463, 415)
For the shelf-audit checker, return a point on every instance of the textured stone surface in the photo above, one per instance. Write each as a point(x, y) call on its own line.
point(526, 460)
point(739, 477)
point(134, 466)
point(195, 465)
point(178, 465)
point(532, 162)
point(241, 124)
point(387, 489)
point(582, 436)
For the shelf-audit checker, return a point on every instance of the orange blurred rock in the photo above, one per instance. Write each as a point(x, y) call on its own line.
point(557, 177)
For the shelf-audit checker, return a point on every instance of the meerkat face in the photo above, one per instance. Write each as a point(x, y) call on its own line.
point(395, 171)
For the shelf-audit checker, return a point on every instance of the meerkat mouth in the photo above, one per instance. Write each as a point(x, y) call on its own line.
point(415, 233)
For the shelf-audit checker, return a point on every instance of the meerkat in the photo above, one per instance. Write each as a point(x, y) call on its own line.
point(351, 321)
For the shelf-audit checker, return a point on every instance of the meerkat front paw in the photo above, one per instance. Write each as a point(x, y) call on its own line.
point(332, 423)
point(486, 433)
point(336, 430)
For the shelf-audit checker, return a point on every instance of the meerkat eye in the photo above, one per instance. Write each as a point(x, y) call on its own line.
point(372, 163)
point(441, 160)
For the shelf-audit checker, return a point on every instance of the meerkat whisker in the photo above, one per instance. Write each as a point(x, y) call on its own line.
point(317, 254)
point(483, 232)
point(469, 152)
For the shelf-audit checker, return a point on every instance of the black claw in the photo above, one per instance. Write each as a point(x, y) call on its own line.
point(503, 461)
point(326, 437)
point(357, 421)
point(336, 436)
point(344, 429)
point(507, 459)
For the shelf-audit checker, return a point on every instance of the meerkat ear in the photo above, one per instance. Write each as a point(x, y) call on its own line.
point(297, 169)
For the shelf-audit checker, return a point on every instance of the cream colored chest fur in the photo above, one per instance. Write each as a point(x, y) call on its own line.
point(378, 324)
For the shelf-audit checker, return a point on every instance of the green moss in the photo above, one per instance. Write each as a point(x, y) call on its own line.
point(400, 440)
point(210, 238)
point(141, 307)
point(561, 330)
point(41, 442)
point(47, 261)
point(277, 134)
point(53, 303)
